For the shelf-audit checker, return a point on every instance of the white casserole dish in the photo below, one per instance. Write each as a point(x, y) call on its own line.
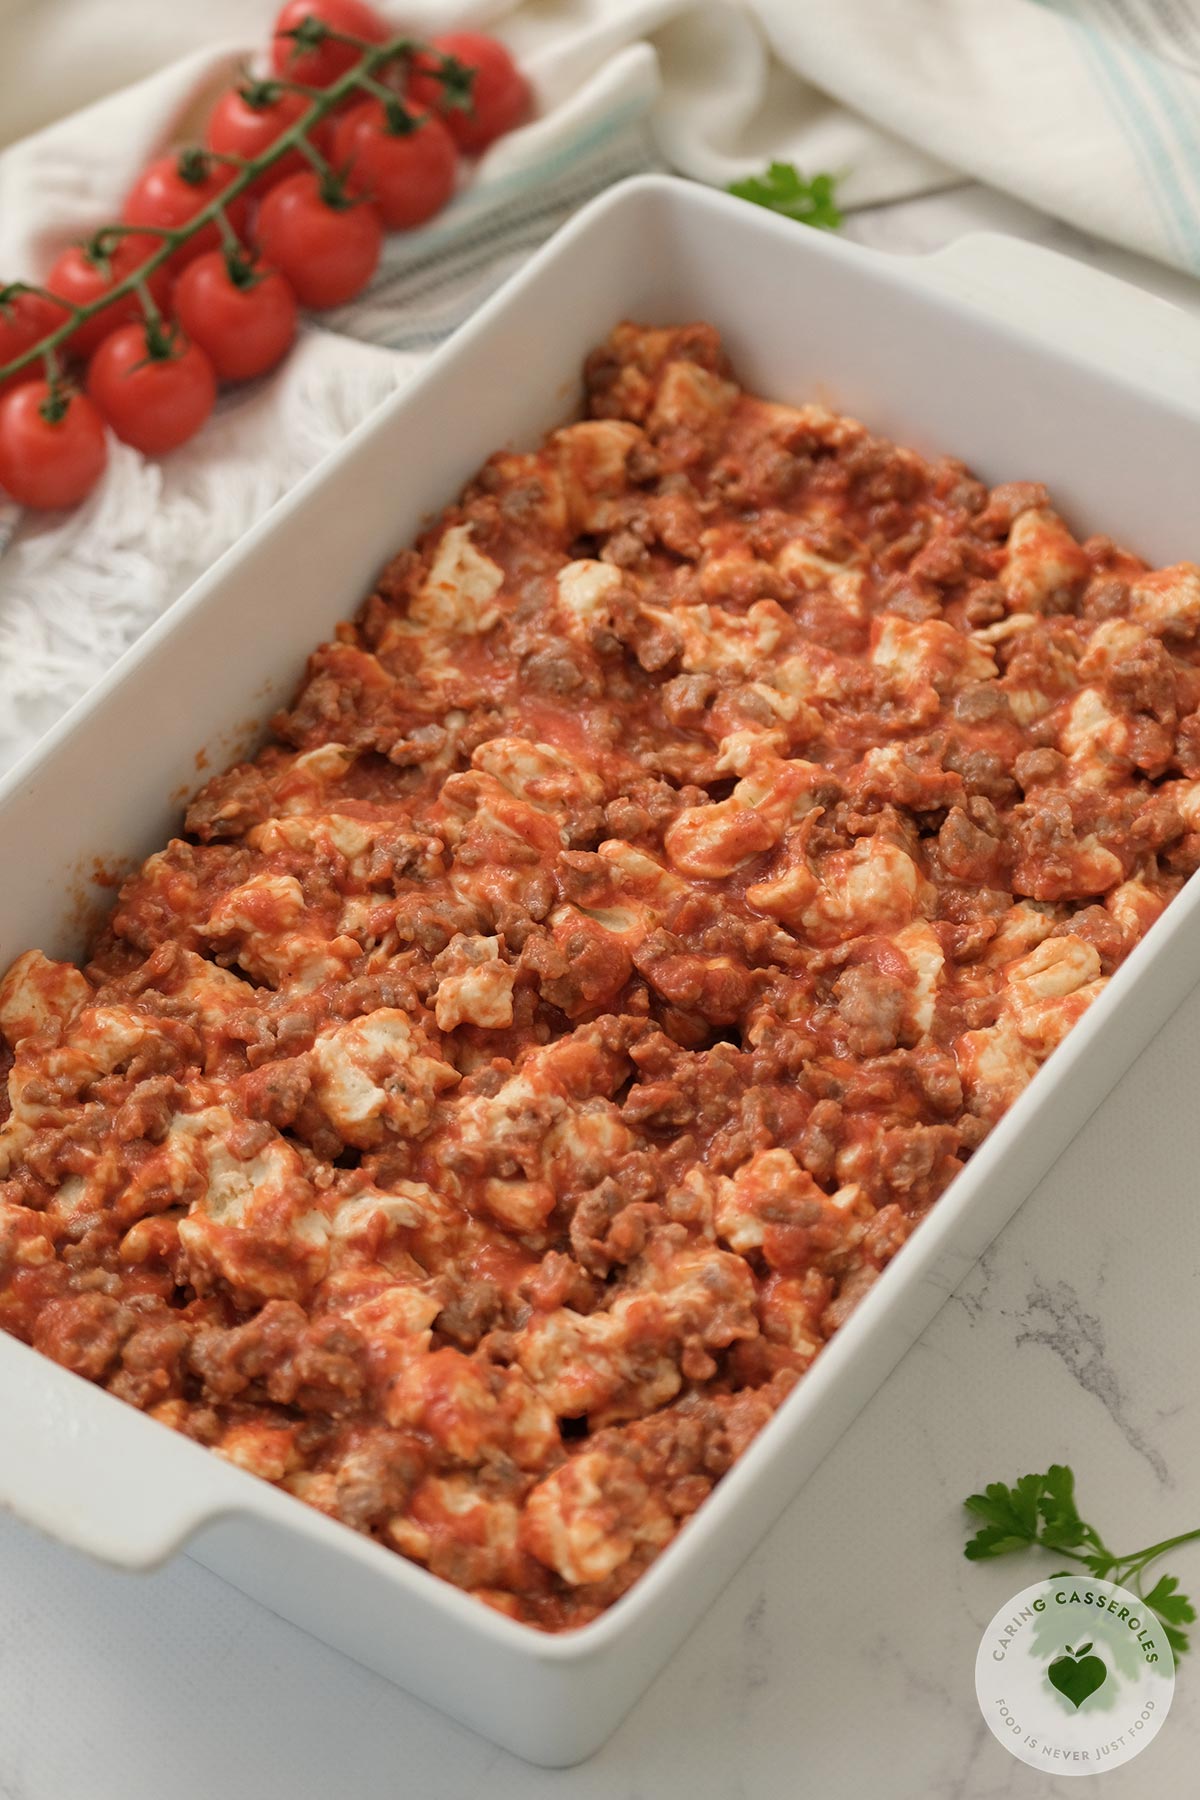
point(803, 316)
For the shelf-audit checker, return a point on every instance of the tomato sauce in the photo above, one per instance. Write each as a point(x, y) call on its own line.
point(478, 1120)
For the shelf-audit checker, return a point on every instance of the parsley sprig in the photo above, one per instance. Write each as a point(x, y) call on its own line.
point(1041, 1509)
point(784, 190)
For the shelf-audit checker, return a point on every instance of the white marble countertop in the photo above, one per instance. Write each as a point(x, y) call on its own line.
point(1075, 1340)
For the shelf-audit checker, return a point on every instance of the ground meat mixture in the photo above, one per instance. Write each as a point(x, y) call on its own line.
point(481, 1117)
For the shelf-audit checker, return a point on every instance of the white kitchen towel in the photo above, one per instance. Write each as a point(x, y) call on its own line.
point(1088, 108)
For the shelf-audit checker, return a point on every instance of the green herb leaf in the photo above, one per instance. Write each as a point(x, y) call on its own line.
point(1041, 1510)
point(1011, 1513)
point(783, 189)
point(1173, 1609)
point(993, 1540)
point(1060, 1516)
point(1170, 1605)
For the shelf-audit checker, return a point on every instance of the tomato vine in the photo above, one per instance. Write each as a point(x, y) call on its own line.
point(372, 59)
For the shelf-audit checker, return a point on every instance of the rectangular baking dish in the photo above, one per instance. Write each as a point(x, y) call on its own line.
point(803, 316)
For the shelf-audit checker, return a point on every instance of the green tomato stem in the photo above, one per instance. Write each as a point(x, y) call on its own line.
point(380, 90)
point(231, 244)
point(323, 101)
point(321, 164)
point(30, 287)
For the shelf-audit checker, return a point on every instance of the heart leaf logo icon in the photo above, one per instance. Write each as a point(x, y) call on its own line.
point(1077, 1674)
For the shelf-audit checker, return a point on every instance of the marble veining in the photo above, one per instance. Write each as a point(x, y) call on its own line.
point(1055, 1318)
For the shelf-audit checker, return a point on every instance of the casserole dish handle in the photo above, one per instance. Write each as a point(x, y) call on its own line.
point(103, 1478)
point(1079, 309)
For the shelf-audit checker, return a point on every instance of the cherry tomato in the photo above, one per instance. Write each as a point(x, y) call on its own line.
point(173, 189)
point(404, 161)
point(322, 65)
point(242, 316)
point(49, 457)
point(246, 121)
point(500, 94)
point(24, 321)
point(81, 280)
point(153, 400)
point(328, 248)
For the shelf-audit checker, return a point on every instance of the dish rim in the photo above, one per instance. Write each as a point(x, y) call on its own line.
point(916, 1260)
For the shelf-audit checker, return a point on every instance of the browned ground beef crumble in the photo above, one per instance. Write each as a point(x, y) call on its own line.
point(480, 1119)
